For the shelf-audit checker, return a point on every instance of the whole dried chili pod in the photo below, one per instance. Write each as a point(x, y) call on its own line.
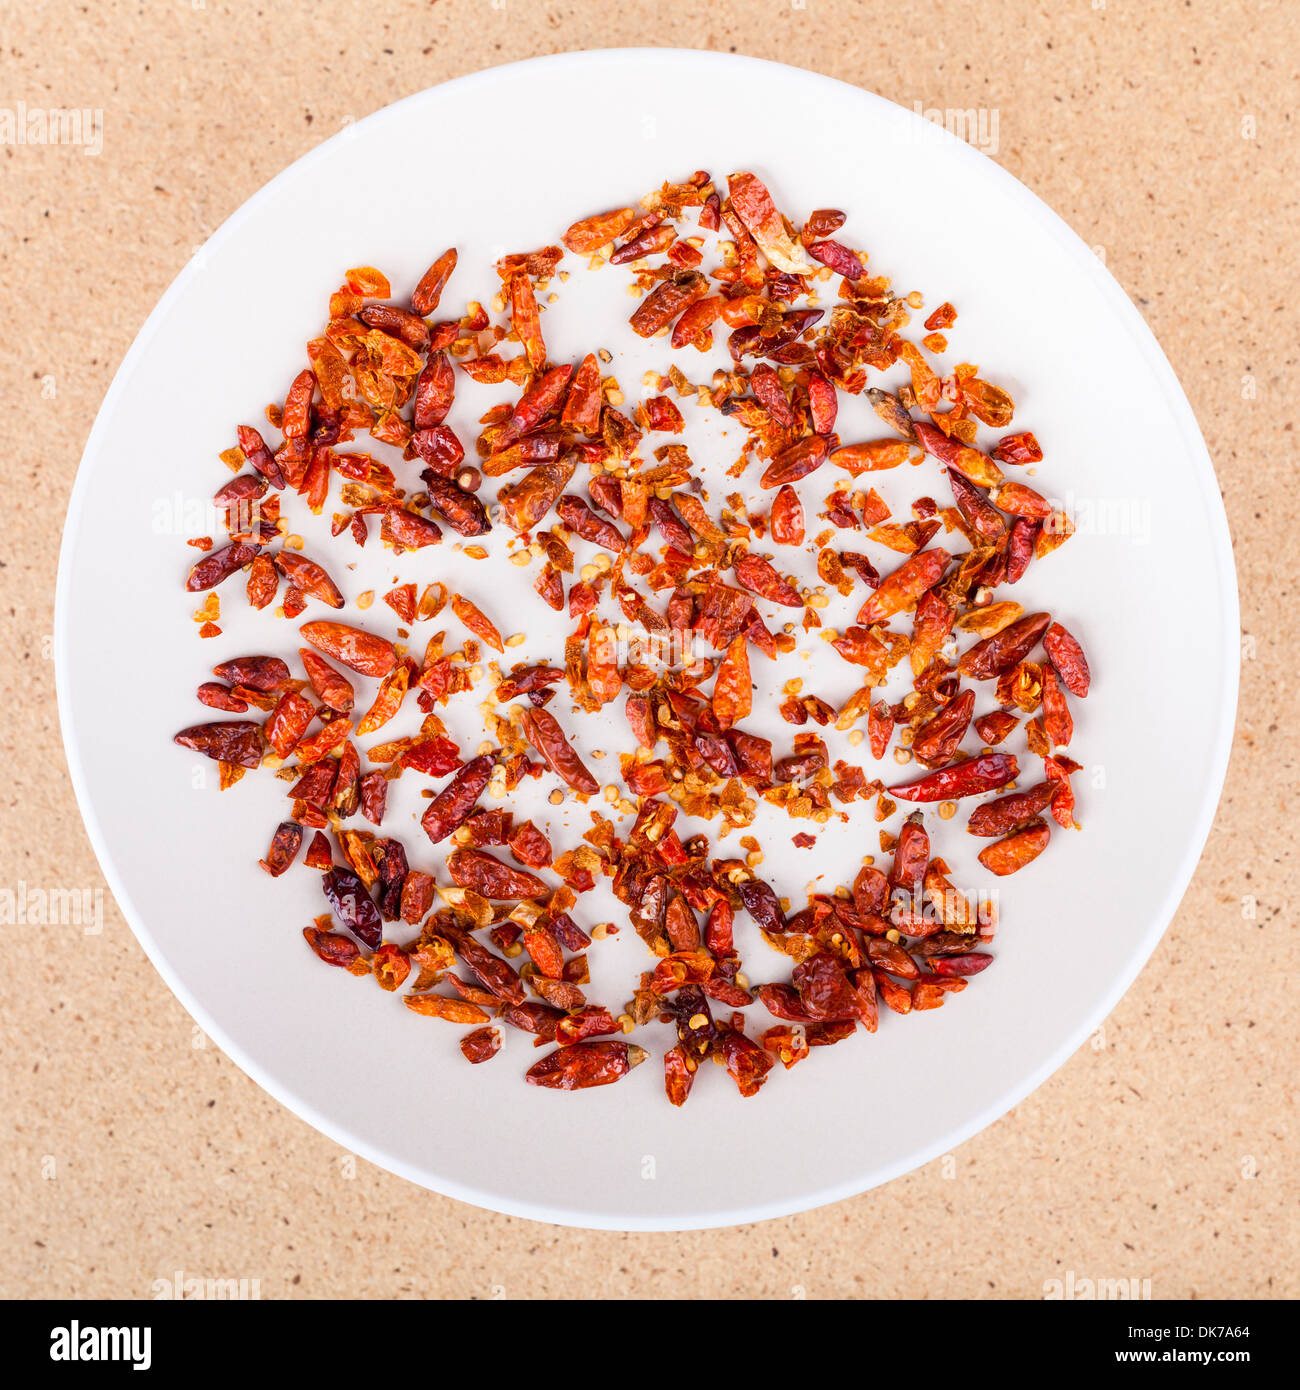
point(285, 844)
point(671, 526)
point(584, 523)
point(1004, 649)
point(904, 588)
point(218, 565)
point(666, 301)
point(872, 457)
point(870, 891)
point(477, 621)
point(937, 739)
point(890, 957)
point(264, 673)
point(766, 385)
point(1067, 656)
point(754, 206)
point(787, 523)
point(590, 1021)
point(400, 323)
point(733, 688)
point(288, 722)
point(530, 846)
point(365, 652)
point(585, 1064)
point(1023, 501)
point(880, 727)
point(762, 904)
point(526, 320)
point(441, 1006)
point(525, 503)
point(823, 403)
point(969, 778)
point(1018, 849)
point(798, 461)
point(592, 233)
point(695, 327)
point(528, 680)
point(746, 1062)
point(975, 466)
point(582, 404)
point(825, 991)
point(1020, 548)
point(911, 855)
point(218, 696)
point(331, 688)
point(408, 531)
point(490, 970)
point(461, 510)
point(481, 1045)
point(435, 389)
point(983, 516)
point(352, 904)
point(424, 299)
point(538, 1019)
point(964, 965)
point(309, 577)
point(539, 400)
point(453, 805)
point(543, 731)
point(485, 874)
point(1057, 723)
point(839, 258)
point(760, 577)
point(332, 947)
point(237, 741)
point(892, 411)
point(679, 1075)
point(649, 242)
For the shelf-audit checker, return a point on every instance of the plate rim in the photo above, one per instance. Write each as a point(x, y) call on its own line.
point(1180, 408)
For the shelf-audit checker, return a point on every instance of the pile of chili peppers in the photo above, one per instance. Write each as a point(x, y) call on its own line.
point(687, 579)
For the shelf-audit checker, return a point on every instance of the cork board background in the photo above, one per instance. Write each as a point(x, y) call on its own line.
point(132, 1150)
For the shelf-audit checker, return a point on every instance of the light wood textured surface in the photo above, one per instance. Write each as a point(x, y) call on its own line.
point(1166, 1152)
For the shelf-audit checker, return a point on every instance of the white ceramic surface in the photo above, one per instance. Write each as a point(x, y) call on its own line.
point(453, 165)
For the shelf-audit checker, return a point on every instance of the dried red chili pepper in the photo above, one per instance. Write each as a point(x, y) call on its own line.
point(352, 904)
point(787, 522)
point(585, 1064)
point(453, 805)
point(1067, 656)
point(937, 739)
point(983, 774)
point(1018, 849)
point(237, 741)
point(1004, 649)
point(218, 565)
point(903, 589)
point(480, 871)
point(332, 947)
point(365, 652)
point(759, 576)
point(543, 731)
point(477, 621)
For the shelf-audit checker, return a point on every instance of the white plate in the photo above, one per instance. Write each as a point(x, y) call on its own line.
point(503, 161)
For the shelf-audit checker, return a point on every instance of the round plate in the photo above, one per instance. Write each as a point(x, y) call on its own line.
point(503, 161)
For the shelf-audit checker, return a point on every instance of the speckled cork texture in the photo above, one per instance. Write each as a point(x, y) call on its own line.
point(1163, 1151)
